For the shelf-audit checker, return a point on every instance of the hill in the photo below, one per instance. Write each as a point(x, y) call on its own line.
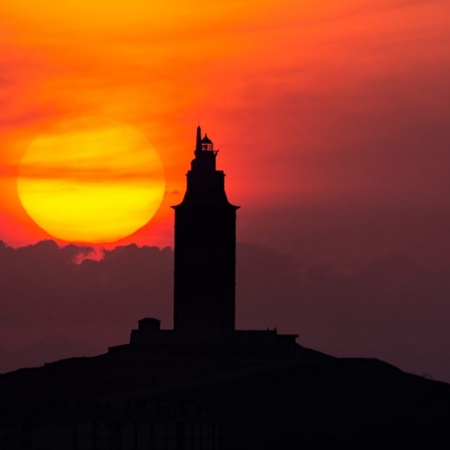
point(124, 402)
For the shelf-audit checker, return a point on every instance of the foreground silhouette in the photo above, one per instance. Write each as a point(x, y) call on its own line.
point(206, 385)
point(158, 402)
point(204, 277)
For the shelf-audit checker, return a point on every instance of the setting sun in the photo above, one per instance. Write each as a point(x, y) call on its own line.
point(91, 180)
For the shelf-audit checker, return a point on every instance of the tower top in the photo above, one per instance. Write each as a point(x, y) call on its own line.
point(205, 184)
point(203, 144)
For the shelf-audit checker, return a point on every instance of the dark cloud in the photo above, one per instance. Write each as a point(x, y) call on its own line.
point(44, 291)
point(391, 308)
point(353, 233)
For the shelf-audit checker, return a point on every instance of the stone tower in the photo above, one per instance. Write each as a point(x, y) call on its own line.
point(205, 249)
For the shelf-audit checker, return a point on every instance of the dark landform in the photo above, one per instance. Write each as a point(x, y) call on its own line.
point(47, 349)
point(206, 384)
point(192, 401)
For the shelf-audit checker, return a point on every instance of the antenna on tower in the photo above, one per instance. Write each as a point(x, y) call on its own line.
point(198, 142)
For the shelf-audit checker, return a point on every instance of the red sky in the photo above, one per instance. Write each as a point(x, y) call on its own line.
point(329, 115)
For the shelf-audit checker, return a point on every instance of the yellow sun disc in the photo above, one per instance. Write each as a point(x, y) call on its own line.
point(91, 180)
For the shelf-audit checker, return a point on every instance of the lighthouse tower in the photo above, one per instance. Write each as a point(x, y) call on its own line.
point(204, 284)
point(205, 249)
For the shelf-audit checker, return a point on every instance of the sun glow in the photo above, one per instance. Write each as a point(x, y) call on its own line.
point(91, 180)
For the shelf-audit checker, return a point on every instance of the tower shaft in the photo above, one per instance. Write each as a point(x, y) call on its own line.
point(205, 249)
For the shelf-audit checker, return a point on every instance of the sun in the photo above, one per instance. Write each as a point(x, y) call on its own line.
point(91, 180)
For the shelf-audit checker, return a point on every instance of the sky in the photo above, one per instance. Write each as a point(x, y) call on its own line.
point(325, 112)
point(331, 117)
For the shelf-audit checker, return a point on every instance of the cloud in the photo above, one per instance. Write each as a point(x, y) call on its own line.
point(44, 290)
point(391, 308)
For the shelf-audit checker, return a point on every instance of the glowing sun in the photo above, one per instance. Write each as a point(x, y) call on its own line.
point(91, 180)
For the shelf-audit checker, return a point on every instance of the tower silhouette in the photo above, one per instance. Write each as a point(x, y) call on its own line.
point(205, 276)
point(205, 249)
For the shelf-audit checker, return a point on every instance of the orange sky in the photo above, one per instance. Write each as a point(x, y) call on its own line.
point(311, 103)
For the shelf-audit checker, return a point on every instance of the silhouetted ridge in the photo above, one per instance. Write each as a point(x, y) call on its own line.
point(229, 403)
